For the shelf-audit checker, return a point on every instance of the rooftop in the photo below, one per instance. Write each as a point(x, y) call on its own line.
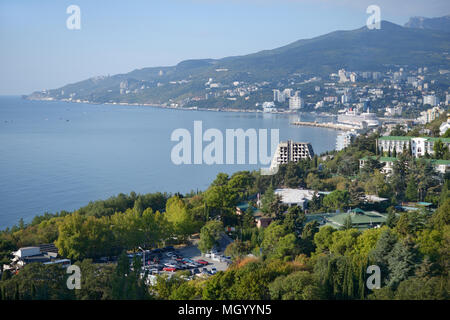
point(406, 138)
point(392, 159)
point(294, 195)
point(360, 218)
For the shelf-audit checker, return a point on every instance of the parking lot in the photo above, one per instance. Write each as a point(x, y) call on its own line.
point(189, 258)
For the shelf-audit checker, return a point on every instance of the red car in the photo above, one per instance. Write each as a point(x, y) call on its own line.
point(202, 262)
point(169, 269)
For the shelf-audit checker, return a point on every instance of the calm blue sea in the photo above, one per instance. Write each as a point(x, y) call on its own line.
point(59, 156)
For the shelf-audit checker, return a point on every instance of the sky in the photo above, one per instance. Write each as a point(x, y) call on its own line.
point(38, 51)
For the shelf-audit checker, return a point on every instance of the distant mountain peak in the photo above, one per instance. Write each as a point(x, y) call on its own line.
point(440, 23)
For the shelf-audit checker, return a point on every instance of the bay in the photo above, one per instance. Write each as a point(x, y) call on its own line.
point(59, 156)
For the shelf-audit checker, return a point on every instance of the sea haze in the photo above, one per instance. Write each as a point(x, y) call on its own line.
point(59, 156)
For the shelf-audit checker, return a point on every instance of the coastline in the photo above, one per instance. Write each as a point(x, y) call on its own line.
point(163, 106)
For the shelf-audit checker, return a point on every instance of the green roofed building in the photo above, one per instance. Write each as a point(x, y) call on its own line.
point(360, 219)
point(418, 146)
point(441, 166)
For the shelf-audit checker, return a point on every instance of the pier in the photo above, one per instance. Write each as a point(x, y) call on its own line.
point(328, 125)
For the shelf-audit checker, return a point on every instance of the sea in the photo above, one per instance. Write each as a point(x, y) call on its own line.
point(57, 155)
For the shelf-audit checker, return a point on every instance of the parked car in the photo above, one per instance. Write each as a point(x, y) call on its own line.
point(192, 265)
point(157, 251)
point(213, 270)
point(170, 269)
point(205, 271)
point(170, 265)
point(202, 262)
point(196, 271)
point(169, 248)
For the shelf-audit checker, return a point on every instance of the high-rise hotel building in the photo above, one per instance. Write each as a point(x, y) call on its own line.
point(291, 151)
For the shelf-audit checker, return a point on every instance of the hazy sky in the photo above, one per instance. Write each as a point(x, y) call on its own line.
point(37, 51)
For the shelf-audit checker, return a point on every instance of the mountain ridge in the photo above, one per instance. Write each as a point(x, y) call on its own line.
point(359, 49)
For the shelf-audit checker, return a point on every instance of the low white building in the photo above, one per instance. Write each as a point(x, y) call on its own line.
point(420, 146)
point(440, 166)
point(444, 127)
point(344, 139)
point(298, 197)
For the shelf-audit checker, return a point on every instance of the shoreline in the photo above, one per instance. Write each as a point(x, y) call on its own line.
point(162, 106)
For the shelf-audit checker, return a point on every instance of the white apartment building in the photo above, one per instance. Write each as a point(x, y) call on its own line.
point(295, 102)
point(431, 99)
point(430, 115)
point(420, 146)
point(342, 76)
point(394, 111)
point(344, 139)
point(291, 151)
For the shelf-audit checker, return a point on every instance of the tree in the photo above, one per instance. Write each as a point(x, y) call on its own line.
point(37, 281)
point(210, 235)
point(441, 216)
point(402, 262)
point(398, 177)
point(337, 199)
point(96, 281)
point(84, 237)
point(379, 255)
point(411, 190)
point(348, 224)
point(300, 285)
point(440, 149)
point(278, 242)
point(294, 219)
point(446, 134)
point(238, 248)
point(356, 193)
point(410, 223)
point(126, 283)
point(323, 239)
point(392, 219)
point(292, 176)
point(178, 215)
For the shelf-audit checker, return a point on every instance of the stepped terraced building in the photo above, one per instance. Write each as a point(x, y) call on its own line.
point(291, 151)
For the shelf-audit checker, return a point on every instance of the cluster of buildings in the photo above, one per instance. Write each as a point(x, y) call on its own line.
point(430, 115)
point(281, 96)
point(44, 253)
point(440, 166)
point(301, 197)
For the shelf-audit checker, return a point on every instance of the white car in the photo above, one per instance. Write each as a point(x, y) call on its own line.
point(169, 265)
point(213, 270)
